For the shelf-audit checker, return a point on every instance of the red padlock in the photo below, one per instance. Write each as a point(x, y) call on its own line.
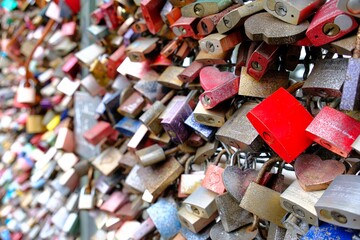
point(191, 72)
point(334, 130)
point(71, 66)
point(281, 121)
point(218, 86)
point(329, 24)
point(261, 59)
point(74, 5)
point(213, 180)
point(110, 15)
point(97, 133)
point(185, 27)
point(97, 16)
point(151, 11)
point(114, 61)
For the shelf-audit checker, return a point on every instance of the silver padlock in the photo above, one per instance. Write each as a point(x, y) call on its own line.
point(86, 198)
point(201, 203)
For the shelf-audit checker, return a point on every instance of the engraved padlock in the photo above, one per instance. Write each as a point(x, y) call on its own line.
point(26, 92)
point(213, 177)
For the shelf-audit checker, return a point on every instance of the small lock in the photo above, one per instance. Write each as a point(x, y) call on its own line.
point(185, 27)
point(329, 24)
point(205, 132)
point(201, 203)
point(213, 177)
point(193, 222)
point(169, 77)
point(218, 43)
point(116, 200)
point(34, 124)
point(202, 8)
point(138, 50)
point(326, 230)
point(213, 59)
point(98, 132)
point(191, 72)
point(114, 60)
point(108, 161)
point(132, 106)
point(206, 151)
point(237, 17)
point(26, 92)
point(292, 12)
point(153, 154)
point(295, 226)
point(210, 117)
point(110, 16)
point(190, 181)
point(302, 204)
point(87, 196)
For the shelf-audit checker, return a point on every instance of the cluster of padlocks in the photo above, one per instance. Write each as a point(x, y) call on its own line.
point(180, 119)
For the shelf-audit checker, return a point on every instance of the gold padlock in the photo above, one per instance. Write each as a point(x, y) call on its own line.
point(34, 124)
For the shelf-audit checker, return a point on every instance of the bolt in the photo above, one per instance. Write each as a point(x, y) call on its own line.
point(280, 9)
point(331, 29)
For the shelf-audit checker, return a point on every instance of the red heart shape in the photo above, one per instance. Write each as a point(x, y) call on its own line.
point(315, 174)
point(211, 77)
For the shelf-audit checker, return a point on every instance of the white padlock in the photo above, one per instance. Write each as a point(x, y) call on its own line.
point(26, 94)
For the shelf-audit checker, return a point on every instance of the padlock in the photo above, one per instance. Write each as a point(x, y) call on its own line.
point(295, 227)
point(189, 182)
point(213, 177)
point(210, 117)
point(109, 13)
point(114, 60)
point(153, 154)
point(169, 77)
point(173, 119)
point(267, 207)
point(151, 117)
point(290, 12)
point(232, 216)
point(132, 106)
point(191, 72)
point(157, 178)
point(193, 222)
point(151, 12)
point(185, 27)
point(65, 140)
point(26, 92)
point(125, 29)
point(201, 203)
point(98, 133)
point(71, 225)
point(116, 200)
point(335, 135)
point(213, 59)
point(237, 17)
point(261, 59)
point(329, 24)
point(206, 151)
point(164, 215)
point(208, 24)
point(34, 124)
point(89, 54)
point(138, 50)
point(203, 8)
point(336, 207)
point(107, 161)
point(68, 87)
point(205, 132)
point(257, 32)
point(71, 67)
point(139, 26)
point(238, 131)
point(195, 140)
point(183, 51)
point(90, 84)
point(307, 164)
point(217, 92)
point(270, 82)
point(329, 231)
point(151, 89)
point(111, 103)
point(87, 193)
point(300, 203)
point(98, 69)
point(351, 95)
point(218, 43)
point(326, 78)
point(343, 46)
point(269, 129)
point(350, 7)
point(127, 126)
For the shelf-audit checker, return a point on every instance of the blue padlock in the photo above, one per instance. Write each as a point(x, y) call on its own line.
point(328, 231)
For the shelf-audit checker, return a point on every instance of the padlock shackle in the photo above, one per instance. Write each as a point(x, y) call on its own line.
point(296, 86)
point(356, 53)
point(218, 157)
point(354, 169)
point(188, 163)
point(266, 167)
point(90, 179)
point(254, 224)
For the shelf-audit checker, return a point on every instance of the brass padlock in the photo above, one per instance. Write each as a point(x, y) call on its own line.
point(169, 77)
point(193, 222)
point(138, 50)
point(87, 193)
point(210, 117)
point(201, 203)
point(301, 203)
point(263, 201)
point(231, 214)
point(34, 124)
point(238, 131)
point(218, 43)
